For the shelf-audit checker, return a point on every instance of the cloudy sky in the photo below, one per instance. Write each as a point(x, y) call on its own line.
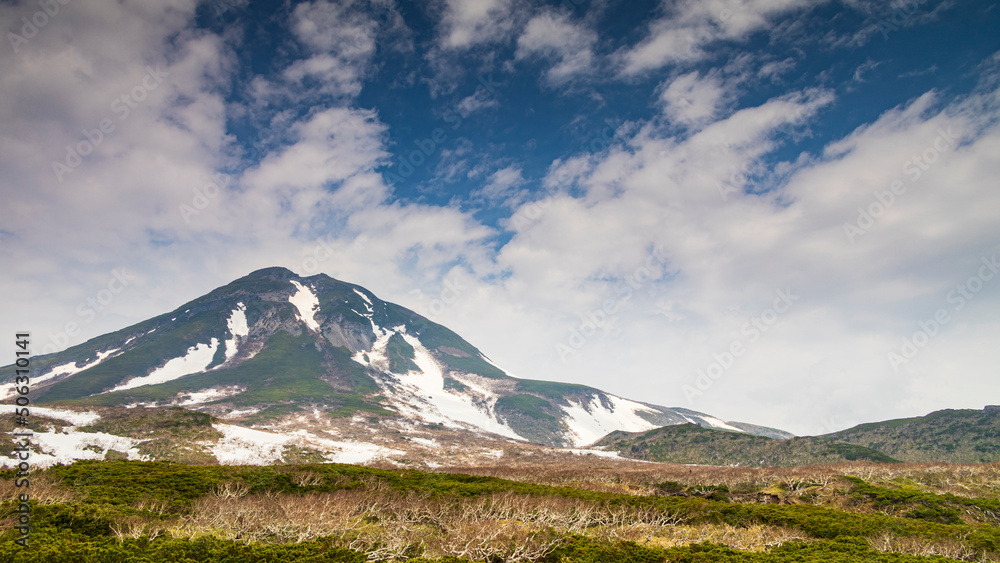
point(785, 212)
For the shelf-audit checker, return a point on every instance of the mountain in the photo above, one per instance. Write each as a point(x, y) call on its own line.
point(689, 443)
point(957, 436)
point(951, 436)
point(289, 354)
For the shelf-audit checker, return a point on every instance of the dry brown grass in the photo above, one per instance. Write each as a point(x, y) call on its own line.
point(42, 488)
point(389, 524)
point(599, 474)
point(505, 526)
point(751, 538)
point(954, 548)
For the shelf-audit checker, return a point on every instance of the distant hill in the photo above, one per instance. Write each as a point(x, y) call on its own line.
point(956, 436)
point(690, 443)
point(949, 436)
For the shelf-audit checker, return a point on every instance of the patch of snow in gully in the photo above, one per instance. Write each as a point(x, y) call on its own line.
point(368, 302)
point(237, 324)
point(307, 304)
point(426, 388)
point(196, 360)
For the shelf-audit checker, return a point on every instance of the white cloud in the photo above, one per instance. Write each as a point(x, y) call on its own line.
point(555, 37)
point(467, 23)
point(338, 41)
point(476, 102)
point(688, 27)
point(503, 187)
point(691, 99)
point(774, 69)
point(866, 67)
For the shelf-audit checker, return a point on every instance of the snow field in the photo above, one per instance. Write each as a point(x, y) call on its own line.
point(56, 448)
point(246, 446)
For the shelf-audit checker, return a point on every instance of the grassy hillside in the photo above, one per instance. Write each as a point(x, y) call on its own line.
point(689, 443)
point(957, 436)
point(139, 511)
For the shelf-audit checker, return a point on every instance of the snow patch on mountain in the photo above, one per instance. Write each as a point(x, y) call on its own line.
point(421, 394)
point(207, 395)
point(236, 413)
point(196, 360)
point(376, 357)
point(368, 301)
point(237, 324)
point(246, 446)
point(711, 420)
point(7, 390)
point(598, 453)
point(307, 304)
point(337, 451)
point(429, 443)
point(73, 417)
point(592, 421)
point(65, 448)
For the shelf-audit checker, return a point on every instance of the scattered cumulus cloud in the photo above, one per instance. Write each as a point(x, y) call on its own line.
point(568, 45)
point(690, 98)
point(467, 23)
point(686, 29)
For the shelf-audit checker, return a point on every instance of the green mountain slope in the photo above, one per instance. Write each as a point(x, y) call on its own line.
point(956, 436)
point(689, 443)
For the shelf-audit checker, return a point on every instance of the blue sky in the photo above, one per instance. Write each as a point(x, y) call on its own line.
point(760, 209)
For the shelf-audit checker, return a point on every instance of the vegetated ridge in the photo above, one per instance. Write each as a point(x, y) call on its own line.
point(953, 436)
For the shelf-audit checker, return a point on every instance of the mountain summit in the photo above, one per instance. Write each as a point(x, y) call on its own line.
point(273, 347)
